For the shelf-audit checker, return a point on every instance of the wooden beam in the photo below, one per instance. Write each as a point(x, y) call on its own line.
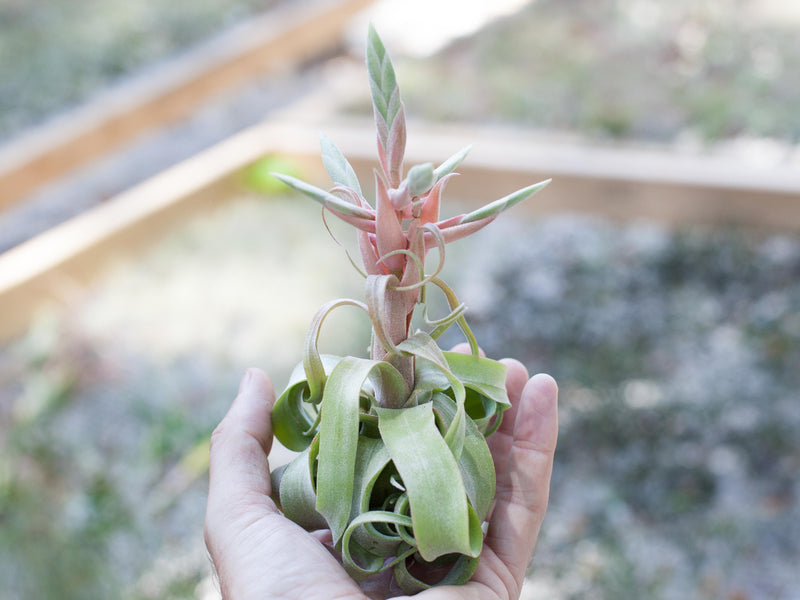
point(282, 38)
point(619, 183)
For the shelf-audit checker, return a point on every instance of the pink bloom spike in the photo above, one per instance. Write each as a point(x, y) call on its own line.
point(397, 147)
point(411, 273)
point(383, 158)
point(369, 255)
point(389, 231)
point(432, 202)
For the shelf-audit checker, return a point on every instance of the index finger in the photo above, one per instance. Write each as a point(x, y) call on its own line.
point(240, 444)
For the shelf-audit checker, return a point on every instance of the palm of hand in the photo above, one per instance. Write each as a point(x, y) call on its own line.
point(260, 554)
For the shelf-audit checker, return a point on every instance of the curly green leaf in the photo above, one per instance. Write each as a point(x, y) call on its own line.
point(440, 512)
point(292, 423)
point(338, 437)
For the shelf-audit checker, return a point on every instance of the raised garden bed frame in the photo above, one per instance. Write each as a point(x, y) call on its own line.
point(614, 182)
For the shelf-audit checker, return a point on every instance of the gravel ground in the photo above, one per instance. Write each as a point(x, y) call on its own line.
point(676, 354)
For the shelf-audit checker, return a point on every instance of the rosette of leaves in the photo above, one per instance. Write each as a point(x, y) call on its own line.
point(392, 448)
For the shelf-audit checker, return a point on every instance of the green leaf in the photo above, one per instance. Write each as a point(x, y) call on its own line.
point(368, 562)
point(424, 347)
point(476, 463)
point(372, 459)
point(498, 206)
point(312, 362)
point(338, 438)
point(327, 199)
point(440, 512)
point(296, 493)
point(337, 166)
point(291, 422)
point(452, 301)
point(484, 375)
point(338, 442)
point(484, 380)
point(460, 573)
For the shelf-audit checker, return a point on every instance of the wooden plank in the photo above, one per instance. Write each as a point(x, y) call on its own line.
point(286, 36)
point(51, 267)
point(616, 183)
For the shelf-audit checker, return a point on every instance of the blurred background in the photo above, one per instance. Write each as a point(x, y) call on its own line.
point(676, 342)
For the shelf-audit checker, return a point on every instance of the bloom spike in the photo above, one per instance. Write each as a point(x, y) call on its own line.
point(389, 232)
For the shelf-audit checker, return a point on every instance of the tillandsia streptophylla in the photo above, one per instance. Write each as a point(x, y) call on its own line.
point(393, 454)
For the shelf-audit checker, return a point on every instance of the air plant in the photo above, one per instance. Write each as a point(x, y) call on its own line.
point(393, 458)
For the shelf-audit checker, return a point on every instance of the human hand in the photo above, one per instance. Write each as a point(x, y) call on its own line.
point(260, 554)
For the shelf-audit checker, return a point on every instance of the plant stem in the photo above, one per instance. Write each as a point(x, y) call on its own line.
point(391, 320)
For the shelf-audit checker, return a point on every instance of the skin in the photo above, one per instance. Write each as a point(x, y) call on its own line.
point(259, 554)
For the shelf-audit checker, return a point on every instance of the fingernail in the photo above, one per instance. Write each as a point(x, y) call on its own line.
point(246, 379)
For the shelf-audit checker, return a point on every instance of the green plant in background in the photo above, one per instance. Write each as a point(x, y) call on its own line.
point(393, 457)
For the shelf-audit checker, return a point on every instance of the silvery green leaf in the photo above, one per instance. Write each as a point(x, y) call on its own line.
point(505, 203)
point(326, 198)
point(338, 437)
point(475, 462)
point(440, 511)
point(451, 164)
point(337, 166)
point(296, 494)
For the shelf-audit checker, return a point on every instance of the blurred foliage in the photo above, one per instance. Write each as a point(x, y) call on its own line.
point(55, 54)
point(75, 443)
point(259, 177)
